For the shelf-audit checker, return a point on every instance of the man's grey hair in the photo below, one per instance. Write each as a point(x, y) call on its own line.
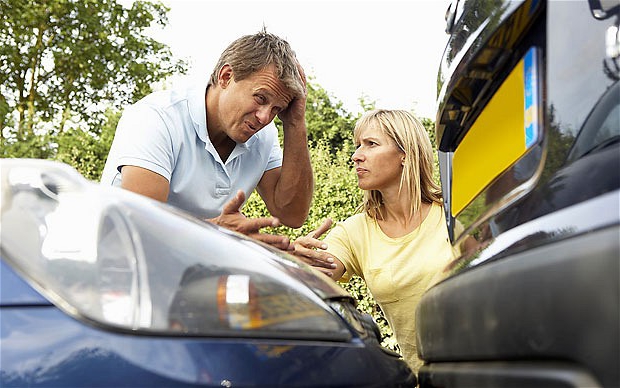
point(252, 53)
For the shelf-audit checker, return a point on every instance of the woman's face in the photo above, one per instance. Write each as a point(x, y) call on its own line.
point(378, 160)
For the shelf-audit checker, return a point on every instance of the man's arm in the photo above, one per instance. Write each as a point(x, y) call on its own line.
point(145, 182)
point(153, 185)
point(287, 190)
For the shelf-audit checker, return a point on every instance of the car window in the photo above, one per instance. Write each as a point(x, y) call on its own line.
point(601, 128)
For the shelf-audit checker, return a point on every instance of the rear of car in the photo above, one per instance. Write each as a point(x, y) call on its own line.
point(528, 129)
point(102, 287)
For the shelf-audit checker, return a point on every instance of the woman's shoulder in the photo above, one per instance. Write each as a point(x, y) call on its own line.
point(437, 208)
point(353, 225)
point(355, 220)
point(436, 214)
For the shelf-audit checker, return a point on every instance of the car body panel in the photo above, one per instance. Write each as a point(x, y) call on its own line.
point(41, 346)
point(16, 291)
point(524, 307)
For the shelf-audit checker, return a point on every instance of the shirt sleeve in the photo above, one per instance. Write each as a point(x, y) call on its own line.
point(341, 246)
point(143, 139)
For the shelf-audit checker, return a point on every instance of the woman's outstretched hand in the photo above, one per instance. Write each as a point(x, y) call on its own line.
point(312, 250)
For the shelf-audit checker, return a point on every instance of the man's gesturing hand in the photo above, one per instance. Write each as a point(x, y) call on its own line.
point(232, 218)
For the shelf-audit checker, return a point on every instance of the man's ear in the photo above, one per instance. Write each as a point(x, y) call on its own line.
point(225, 76)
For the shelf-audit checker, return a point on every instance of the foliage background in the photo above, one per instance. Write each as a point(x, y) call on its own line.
point(69, 66)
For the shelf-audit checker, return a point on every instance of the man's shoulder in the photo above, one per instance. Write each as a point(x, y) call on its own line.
point(163, 99)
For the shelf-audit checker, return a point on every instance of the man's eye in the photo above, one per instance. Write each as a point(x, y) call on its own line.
point(260, 98)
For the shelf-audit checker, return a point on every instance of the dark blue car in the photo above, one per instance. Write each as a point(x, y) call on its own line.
point(102, 287)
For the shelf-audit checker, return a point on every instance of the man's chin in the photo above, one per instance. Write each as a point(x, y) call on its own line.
point(243, 138)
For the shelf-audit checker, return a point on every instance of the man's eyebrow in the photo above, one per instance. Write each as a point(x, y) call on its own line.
point(274, 96)
point(264, 91)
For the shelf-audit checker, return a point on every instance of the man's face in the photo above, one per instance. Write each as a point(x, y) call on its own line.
point(248, 105)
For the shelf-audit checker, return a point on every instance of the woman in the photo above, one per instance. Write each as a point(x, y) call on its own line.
point(398, 243)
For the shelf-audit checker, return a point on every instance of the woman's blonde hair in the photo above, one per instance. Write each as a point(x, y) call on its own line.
point(412, 139)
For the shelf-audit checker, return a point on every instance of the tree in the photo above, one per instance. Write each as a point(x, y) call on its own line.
point(327, 120)
point(85, 151)
point(68, 61)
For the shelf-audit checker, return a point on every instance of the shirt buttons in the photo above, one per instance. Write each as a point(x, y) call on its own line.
point(222, 190)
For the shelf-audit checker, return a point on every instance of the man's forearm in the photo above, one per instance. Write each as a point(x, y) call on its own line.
point(293, 192)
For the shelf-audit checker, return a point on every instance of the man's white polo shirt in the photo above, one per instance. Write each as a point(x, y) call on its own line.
point(166, 132)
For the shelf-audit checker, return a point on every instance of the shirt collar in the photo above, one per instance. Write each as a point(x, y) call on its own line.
point(198, 110)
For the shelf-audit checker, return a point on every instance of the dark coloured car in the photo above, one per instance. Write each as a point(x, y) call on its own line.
point(102, 287)
point(528, 130)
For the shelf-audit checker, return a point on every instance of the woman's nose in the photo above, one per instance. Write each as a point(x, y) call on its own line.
point(357, 155)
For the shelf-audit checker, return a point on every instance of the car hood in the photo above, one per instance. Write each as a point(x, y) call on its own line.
point(72, 210)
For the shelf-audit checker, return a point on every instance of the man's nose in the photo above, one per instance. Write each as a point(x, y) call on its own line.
point(263, 114)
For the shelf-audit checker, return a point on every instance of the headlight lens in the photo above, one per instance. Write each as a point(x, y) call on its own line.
point(118, 259)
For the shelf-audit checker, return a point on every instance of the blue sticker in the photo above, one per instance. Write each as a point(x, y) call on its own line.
point(531, 97)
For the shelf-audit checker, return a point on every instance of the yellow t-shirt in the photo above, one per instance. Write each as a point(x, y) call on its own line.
point(397, 271)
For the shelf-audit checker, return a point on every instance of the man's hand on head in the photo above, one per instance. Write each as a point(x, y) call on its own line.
point(295, 112)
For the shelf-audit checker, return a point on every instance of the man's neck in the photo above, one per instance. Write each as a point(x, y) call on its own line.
point(223, 144)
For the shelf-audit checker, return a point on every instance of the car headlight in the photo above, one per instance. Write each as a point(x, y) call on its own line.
point(120, 260)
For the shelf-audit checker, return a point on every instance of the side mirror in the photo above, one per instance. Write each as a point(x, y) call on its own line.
point(604, 9)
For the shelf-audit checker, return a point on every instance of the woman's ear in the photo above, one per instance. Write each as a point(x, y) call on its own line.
point(225, 76)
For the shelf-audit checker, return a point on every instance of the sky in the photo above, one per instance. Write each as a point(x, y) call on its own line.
point(383, 50)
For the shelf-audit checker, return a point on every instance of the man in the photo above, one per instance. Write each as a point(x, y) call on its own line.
point(207, 148)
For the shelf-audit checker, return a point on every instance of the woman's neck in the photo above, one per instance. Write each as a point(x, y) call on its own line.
point(397, 218)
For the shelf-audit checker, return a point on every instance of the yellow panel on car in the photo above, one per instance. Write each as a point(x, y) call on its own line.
point(501, 134)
